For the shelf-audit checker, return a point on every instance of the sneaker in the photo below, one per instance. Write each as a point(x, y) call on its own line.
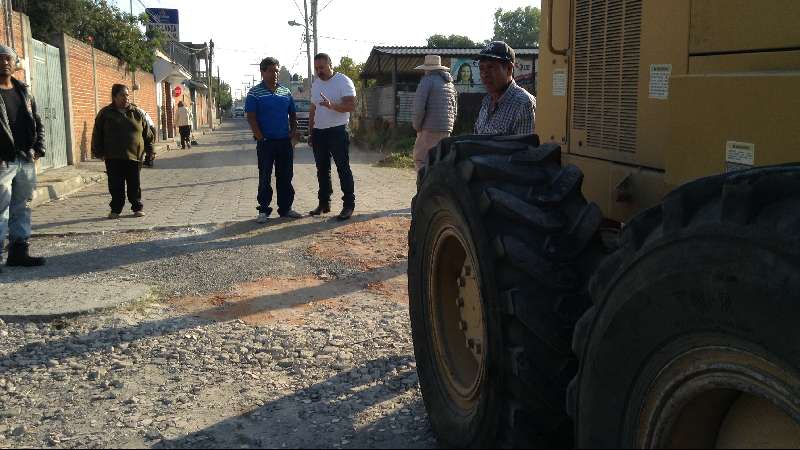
point(262, 218)
point(139, 214)
point(292, 215)
point(113, 216)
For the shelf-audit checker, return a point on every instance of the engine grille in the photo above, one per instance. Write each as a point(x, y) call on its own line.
point(606, 72)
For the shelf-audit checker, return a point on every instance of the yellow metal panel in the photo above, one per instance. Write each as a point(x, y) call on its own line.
point(551, 117)
point(664, 40)
point(741, 25)
point(709, 112)
point(745, 62)
point(604, 181)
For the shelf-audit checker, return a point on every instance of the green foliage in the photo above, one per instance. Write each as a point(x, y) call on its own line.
point(348, 67)
point(113, 31)
point(452, 41)
point(225, 96)
point(518, 28)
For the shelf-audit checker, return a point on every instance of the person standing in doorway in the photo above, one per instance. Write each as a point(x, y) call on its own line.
point(21, 143)
point(272, 116)
point(435, 108)
point(183, 120)
point(333, 98)
point(121, 137)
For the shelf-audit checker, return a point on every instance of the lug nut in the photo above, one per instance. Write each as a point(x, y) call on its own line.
point(462, 282)
point(460, 302)
point(471, 344)
point(463, 325)
point(468, 271)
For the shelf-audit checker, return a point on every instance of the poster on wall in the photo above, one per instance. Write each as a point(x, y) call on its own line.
point(466, 76)
point(523, 71)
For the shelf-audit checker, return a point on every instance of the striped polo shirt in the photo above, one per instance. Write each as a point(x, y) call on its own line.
point(272, 109)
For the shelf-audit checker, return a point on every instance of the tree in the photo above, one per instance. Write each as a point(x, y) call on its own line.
point(111, 30)
point(452, 41)
point(518, 28)
point(223, 89)
point(348, 67)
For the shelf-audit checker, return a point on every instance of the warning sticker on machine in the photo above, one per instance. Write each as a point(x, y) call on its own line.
point(659, 81)
point(560, 83)
point(739, 156)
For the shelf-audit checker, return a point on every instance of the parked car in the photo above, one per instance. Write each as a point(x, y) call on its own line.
point(238, 112)
point(303, 110)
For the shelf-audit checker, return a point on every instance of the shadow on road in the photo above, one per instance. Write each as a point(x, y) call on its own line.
point(313, 417)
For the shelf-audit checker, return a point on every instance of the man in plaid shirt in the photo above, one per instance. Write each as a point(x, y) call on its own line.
point(508, 109)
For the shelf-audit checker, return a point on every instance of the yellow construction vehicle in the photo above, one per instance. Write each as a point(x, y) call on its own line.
point(629, 277)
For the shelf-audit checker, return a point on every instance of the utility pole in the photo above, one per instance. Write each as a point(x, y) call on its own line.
point(133, 73)
point(308, 44)
point(209, 69)
point(315, 20)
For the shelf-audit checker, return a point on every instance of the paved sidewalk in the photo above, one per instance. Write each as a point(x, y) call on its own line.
point(215, 183)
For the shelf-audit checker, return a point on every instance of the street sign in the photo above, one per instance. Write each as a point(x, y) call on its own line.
point(177, 92)
point(165, 20)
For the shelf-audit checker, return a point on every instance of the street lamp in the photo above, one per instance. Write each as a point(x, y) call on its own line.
point(294, 23)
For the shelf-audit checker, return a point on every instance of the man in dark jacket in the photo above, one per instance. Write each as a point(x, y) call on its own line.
point(122, 137)
point(21, 143)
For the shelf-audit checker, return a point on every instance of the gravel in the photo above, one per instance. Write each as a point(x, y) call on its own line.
point(339, 375)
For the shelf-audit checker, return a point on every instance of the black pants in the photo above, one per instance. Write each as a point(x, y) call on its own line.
point(280, 154)
point(186, 135)
point(121, 173)
point(334, 142)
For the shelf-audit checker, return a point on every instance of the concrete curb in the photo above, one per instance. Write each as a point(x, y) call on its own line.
point(49, 190)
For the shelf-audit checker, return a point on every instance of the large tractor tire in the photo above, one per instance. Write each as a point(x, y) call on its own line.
point(693, 340)
point(502, 245)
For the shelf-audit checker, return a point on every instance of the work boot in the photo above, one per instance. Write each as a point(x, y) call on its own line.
point(18, 256)
point(323, 208)
point(346, 213)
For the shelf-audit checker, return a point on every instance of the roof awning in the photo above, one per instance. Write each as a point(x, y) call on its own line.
point(195, 85)
point(384, 60)
point(164, 69)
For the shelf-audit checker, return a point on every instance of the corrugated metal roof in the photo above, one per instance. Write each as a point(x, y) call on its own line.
point(413, 51)
point(382, 60)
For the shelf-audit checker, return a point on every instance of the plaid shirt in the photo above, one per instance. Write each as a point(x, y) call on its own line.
point(514, 113)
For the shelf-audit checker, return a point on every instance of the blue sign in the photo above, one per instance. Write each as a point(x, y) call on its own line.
point(165, 20)
point(162, 15)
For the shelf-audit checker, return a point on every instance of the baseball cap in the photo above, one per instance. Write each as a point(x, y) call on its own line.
point(498, 51)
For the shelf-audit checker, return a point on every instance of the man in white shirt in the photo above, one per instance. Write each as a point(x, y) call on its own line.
point(333, 98)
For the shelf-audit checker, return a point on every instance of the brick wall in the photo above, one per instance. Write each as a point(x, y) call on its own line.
point(85, 106)
point(19, 46)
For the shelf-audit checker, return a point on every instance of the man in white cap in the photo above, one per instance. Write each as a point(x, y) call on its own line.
point(21, 144)
point(435, 108)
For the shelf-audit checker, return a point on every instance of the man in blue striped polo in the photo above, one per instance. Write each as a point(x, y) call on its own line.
point(272, 116)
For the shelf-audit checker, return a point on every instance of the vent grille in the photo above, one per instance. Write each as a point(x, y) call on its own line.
point(606, 72)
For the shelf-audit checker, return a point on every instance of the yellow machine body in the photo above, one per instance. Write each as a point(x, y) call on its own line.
point(645, 95)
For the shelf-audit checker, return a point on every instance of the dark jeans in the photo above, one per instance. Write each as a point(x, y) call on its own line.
point(186, 135)
point(278, 153)
point(122, 172)
point(334, 142)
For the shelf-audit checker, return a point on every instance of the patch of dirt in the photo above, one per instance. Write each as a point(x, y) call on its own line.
point(366, 246)
point(264, 301)
point(395, 289)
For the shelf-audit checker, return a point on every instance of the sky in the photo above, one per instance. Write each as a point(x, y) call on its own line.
point(245, 31)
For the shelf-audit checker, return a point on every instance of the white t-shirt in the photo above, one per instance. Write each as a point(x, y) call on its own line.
point(338, 87)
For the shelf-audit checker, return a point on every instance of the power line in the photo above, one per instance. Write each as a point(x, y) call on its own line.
point(326, 5)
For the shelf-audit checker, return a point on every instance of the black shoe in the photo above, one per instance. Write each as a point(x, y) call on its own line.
point(18, 256)
point(345, 214)
point(323, 208)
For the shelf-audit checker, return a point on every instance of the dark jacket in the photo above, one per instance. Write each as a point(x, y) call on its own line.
point(29, 119)
point(121, 135)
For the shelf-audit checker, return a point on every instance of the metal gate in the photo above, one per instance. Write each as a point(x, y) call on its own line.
point(48, 92)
